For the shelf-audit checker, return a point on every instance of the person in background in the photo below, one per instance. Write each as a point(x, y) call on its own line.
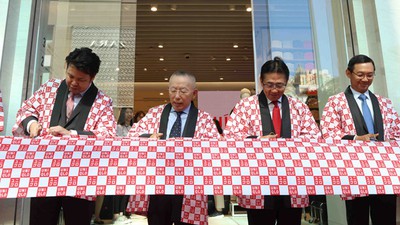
point(178, 118)
point(62, 108)
point(1, 113)
point(138, 116)
point(272, 114)
point(124, 122)
point(359, 114)
point(244, 93)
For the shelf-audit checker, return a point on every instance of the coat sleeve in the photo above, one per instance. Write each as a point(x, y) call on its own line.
point(331, 124)
point(206, 127)
point(238, 125)
point(392, 124)
point(30, 108)
point(106, 124)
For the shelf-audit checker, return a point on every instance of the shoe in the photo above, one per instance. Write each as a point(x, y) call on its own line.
point(121, 219)
point(216, 214)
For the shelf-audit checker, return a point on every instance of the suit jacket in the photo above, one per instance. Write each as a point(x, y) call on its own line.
point(1, 114)
point(342, 119)
point(199, 124)
point(251, 117)
point(93, 114)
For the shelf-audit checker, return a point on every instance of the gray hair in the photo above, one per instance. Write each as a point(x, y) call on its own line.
point(181, 73)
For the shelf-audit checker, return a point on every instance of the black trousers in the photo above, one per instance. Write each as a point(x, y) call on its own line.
point(381, 207)
point(165, 210)
point(277, 211)
point(120, 203)
point(46, 211)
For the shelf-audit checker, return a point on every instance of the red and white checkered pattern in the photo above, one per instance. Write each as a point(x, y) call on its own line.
point(100, 120)
point(245, 120)
point(194, 207)
point(337, 121)
point(71, 166)
point(1, 113)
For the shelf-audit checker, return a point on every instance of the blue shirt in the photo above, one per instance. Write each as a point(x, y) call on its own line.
point(172, 118)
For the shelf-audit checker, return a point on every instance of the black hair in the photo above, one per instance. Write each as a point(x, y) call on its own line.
point(137, 114)
point(276, 65)
point(85, 60)
point(359, 59)
point(121, 118)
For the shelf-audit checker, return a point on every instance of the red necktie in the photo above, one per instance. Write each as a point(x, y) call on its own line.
point(276, 118)
point(70, 105)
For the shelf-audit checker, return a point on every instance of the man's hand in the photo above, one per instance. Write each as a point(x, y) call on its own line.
point(367, 137)
point(34, 129)
point(269, 136)
point(156, 135)
point(59, 130)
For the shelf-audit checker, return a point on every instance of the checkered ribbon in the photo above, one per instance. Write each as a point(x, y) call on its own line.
point(1, 113)
point(76, 166)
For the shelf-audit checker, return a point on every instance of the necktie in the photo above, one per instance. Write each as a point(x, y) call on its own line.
point(367, 114)
point(276, 118)
point(70, 105)
point(176, 128)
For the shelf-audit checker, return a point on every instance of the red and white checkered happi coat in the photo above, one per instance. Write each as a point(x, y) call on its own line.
point(100, 120)
point(245, 121)
point(1, 113)
point(194, 207)
point(337, 121)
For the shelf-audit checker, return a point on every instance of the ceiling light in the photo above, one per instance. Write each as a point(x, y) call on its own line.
point(161, 59)
point(165, 69)
point(213, 58)
point(165, 78)
point(153, 8)
point(117, 69)
point(235, 46)
point(228, 59)
point(221, 78)
point(248, 8)
point(161, 93)
point(173, 7)
point(232, 8)
point(145, 69)
point(160, 46)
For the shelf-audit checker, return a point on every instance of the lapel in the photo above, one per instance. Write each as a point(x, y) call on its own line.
point(358, 119)
point(266, 121)
point(58, 116)
point(81, 111)
point(190, 126)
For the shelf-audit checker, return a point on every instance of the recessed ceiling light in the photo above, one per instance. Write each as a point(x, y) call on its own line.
point(165, 78)
point(221, 78)
point(235, 46)
point(212, 58)
point(153, 8)
point(165, 69)
point(145, 69)
point(248, 8)
point(161, 59)
point(228, 59)
point(173, 7)
point(232, 8)
point(161, 93)
point(160, 46)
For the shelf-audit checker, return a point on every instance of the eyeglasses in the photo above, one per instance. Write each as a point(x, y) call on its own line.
point(360, 75)
point(174, 91)
point(274, 85)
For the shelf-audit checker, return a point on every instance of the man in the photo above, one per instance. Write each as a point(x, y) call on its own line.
point(1, 114)
point(260, 116)
point(179, 118)
point(67, 107)
point(358, 114)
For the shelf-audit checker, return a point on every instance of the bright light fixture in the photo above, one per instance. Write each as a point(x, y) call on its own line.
point(153, 8)
point(248, 8)
point(161, 59)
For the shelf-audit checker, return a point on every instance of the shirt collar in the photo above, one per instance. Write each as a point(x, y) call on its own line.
point(186, 110)
point(357, 94)
point(279, 100)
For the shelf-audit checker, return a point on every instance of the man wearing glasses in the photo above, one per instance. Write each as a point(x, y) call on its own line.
point(272, 114)
point(358, 114)
point(178, 118)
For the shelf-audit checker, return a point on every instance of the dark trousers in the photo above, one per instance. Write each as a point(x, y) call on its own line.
point(165, 210)
point(120, 203)
point(381, 207)
point(46, 211)
point(282, 216)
